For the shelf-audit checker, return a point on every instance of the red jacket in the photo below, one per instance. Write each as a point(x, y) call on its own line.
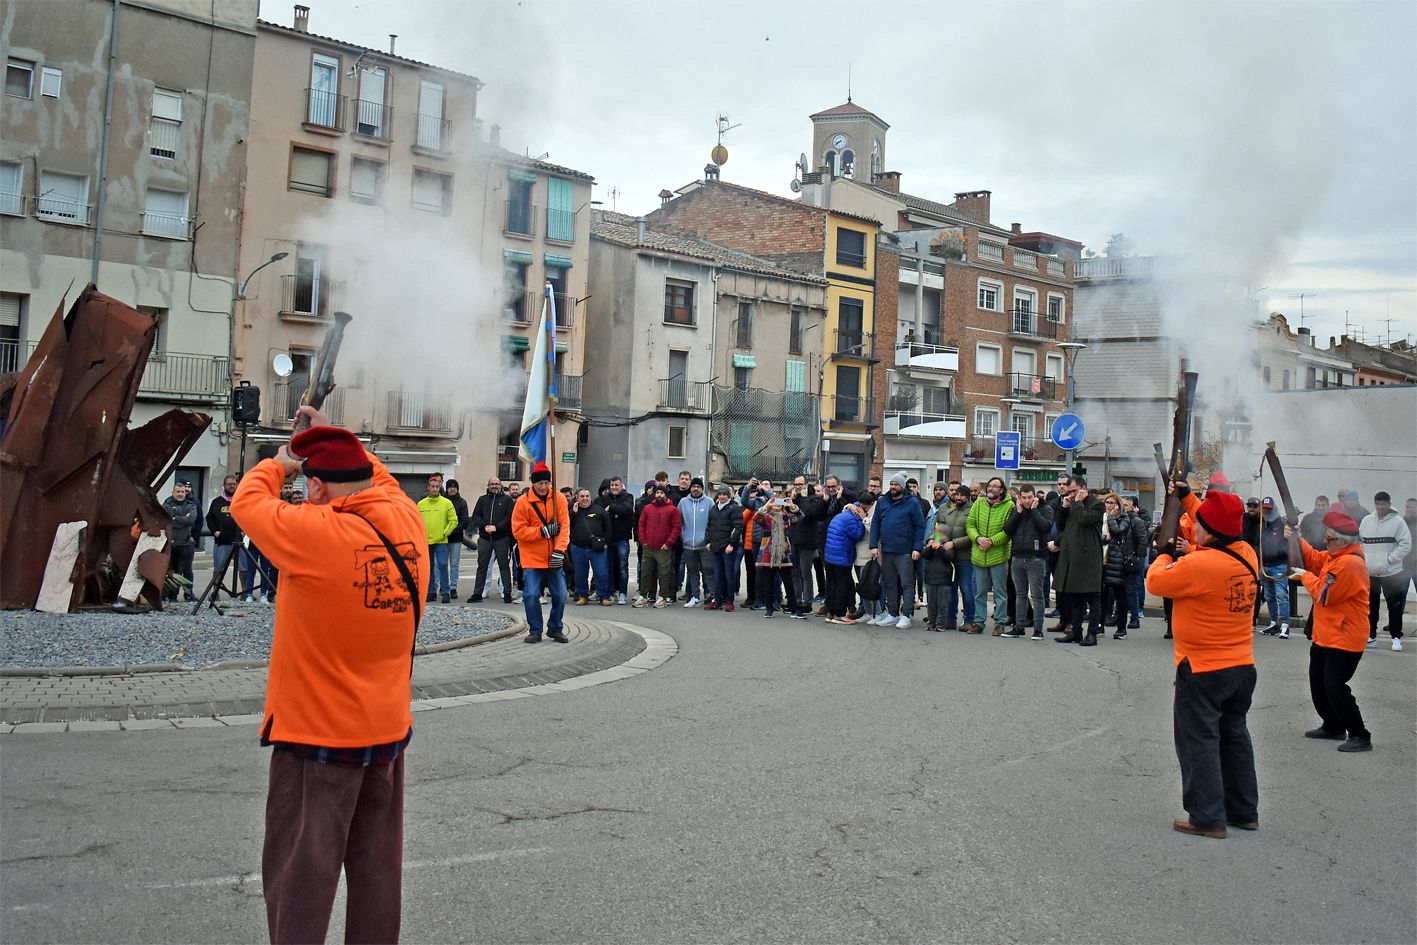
point(660, 525)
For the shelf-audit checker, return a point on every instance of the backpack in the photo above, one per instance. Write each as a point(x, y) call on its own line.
point(869, 586)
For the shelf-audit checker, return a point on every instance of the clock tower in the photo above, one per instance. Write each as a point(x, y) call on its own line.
point(848, 141)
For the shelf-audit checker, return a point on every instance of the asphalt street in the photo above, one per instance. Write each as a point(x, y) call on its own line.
point(776, 780)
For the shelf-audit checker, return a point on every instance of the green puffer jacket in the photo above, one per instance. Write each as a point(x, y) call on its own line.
point(987, 521)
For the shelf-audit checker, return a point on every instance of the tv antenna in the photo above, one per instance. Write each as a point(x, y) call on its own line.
point(614, 197)
point(800, 170)
point(719, 154)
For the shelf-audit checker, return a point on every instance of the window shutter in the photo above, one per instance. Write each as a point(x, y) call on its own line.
point(167, 105)
point(166, 202)
point(560, 217)
point(310, 171)
point(9, 310)
point(427, 191)
point(364, 179)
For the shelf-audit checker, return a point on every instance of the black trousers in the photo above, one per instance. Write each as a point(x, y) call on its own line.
point(1392, 589)
point(486, 548)
point(841, 589)
point(769, 580)
point(1329, 672)
point(1075, 608)
point(1218, 783)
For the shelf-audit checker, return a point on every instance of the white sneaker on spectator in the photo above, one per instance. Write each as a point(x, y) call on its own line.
point(619, 598)
point(691, 602)
point(1397, 645)
point(1284, 631)
point(903, 623)
point(1372, 642)
point(885, 619)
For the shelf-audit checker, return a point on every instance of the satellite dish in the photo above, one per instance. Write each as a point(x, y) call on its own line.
point(796, 186)
point(803, 165)
point(282, 365)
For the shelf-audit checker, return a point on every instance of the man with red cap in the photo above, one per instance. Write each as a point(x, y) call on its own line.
point(1337, 582)
point(353, 562)
point(541, 527)
point(1214, 588)
point(1186, 525)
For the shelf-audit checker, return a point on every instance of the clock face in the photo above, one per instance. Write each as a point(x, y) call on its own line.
point(839, 141)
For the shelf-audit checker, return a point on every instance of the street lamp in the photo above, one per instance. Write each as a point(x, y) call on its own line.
point(1070, 351)
point(241, 286)
point(239, 295)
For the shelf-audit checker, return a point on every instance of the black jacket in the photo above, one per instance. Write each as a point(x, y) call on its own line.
point(803, 532)
point(460, 507)
point(1274, 547)
point(223, 527)
point(1028, 530)
point(621, 510)
point(939, 565)
point(590, 527)
point(1126, 547)
point(493, 510)
point(725, 526)
point(831, 507)
point(184, 518)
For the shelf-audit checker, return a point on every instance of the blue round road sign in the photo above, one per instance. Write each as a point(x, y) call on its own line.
point(1067, 431)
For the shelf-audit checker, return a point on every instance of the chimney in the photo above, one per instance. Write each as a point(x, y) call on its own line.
point(889, 180)
point(1016, 227)
point(302, 18)
point(640, 230)
point(710, 172)
point(974, 203)
point(1306, 334)
point(393, 37)
point(494, 136)
point(665, 196)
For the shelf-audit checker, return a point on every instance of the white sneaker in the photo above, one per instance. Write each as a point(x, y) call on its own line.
point(1372, 643)
point(1397, 646)
point(620, 598)
point(691, 602)
point(903, 623)
point(1284, 631)
point(885, 620)
point(662, 602)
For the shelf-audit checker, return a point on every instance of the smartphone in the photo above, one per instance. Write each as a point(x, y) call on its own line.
point(779, 502)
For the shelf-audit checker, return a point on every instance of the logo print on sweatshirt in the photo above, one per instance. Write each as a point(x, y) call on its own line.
point(1240, 593)
point(380, 579)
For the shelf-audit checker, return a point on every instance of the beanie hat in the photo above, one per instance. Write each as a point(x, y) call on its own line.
point(1341, 522)
point(723, 489)
point(696, 481)
point(332, 454)
point(1218, 480)
point(1223, 515)
point(649, 483)
point(540, 473)
point(900, 479)
point(452, 484)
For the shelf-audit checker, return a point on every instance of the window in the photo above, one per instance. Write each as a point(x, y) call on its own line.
point(310, 171)
point(849, 321)
point(165, 214)
point(1264, 373)
point(794, 331)
point(678, 302)
point(11, 188)
point(431, 127)
point(323, 106)
point(1022, 424)
point(935, 400)
point(366, 181)
point(829, 159)
point(988, 359)
point(372, 115)
point(519, 215)
point(848, 394)
point(12, 308)
point(989, 295)
point(677, 441)
point(431, 191)
point(850, 248)
point(165, 128)
point(848, 163)
point(62, 198)
point(159, 330)
point(1055, 308)
point(1025, 301)
point(1053, 367)
point(560, 218)
point(1022, 361)
point(19, 78)
point(677, 392)
point(1286, 379)
point(515, 273)
point(1048, 419)
point(744, 335)
point(308, 295)
point(50, 81)
point(986, 421)
point(742, 378)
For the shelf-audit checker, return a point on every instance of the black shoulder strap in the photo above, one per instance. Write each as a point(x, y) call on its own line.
point(1236, 555)
point(407, 576)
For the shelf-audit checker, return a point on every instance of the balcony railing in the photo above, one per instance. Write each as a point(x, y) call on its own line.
point(433, 131)
point(14, 355)
point(1030, 324)
point(1023, 259)
point(305, 296)
point(980, 447)
point(164, 137)
point(561, 225)
point(521, 307)
point(412, 412)
point(202, 377)
point(374, 120)
point(1033, 387)
point(844, 409)
point(927, 356)
point(989, 252)
point(520, 218)
point(13, 204)
point(915, 423)
point(173, 226)
point(324, 109)
point(60, 210)
point(568, 391)
point(676, 393)
point(285, 400)
point(1113, 267)
point(854, 344)
point(1056, 267)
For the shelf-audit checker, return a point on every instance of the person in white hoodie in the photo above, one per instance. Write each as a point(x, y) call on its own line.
point(1386, 542)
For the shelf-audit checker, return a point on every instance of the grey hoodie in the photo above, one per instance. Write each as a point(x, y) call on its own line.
point(1386, 541)
point(695, 514)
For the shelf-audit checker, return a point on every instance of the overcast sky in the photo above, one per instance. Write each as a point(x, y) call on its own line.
point(1276, 140)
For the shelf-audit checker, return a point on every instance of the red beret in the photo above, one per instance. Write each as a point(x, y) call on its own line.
point(1222, 514)
point(1341, 522)
point(332, 454)
point(540, 473)
point(1218, 481)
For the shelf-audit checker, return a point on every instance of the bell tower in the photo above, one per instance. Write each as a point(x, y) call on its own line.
point(848, 141)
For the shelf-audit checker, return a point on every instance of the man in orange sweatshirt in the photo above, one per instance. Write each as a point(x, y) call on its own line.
point(541, 527)
point(1214, 589)
point(337, 696)
point(1337, 582)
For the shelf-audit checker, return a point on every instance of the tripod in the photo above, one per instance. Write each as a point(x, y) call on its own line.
point(218, 582)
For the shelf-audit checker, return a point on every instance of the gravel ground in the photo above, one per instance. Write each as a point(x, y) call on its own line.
point(176, 638)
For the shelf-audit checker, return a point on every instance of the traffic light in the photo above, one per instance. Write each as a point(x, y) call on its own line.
point(246, 403)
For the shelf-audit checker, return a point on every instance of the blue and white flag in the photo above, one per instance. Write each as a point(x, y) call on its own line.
point(538, 413)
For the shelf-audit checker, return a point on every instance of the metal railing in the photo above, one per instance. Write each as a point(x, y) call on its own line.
point(61, 210)
point(373, 120)
point(432, 133)
point(1024, 259)
point(520, 218)
point(980, 447)
point(13, 204)
point(845, 257)
point(285, 400)
point(173, 226)
point(164, 137)
point(1033, 386)
point(307, 295)
point(14, 355)
point(676, 393)
point(196, 376)
point(324, 109)
point(568, 391)
point(561, 225)
point(849, 409)
point(854, 344)
point(520, 308)
point(1027, 322)
point(411, 411)
point(989, 252)
point(915, 418)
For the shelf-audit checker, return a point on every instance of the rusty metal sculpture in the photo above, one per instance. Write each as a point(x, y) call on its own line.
point(73, 474)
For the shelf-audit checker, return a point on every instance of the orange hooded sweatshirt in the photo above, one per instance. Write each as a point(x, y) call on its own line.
point(344, 630)
point(1214, 605)
point(534, 550)
point(1337, 583)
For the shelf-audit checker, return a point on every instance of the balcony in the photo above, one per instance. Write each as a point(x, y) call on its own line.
point(980, 448)
point(60, 210)
point(854, 344)
point(374, 120)
point(202, 378)
point(324, 110)
point(417, 413)
point(1033, 387)
point(1056, 267)
point(942, 426)
point(561, 226)
point(12, 204)
point(521, 307)
point(842, 409)
point(568, 392)
point(990, 252)
point(520, 219)
point(1026, 323)
point(676, 393)
point(172, 226)
point(1024, 259)
point(164, 137)
point(1114, 267)
point(285, 399)
point(304, 297)
point(14, 355)
point(928, 357)
point(433, 133)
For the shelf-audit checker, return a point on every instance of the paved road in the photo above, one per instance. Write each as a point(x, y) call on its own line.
point(774, 781)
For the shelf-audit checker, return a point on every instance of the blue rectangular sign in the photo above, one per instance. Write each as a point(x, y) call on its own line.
point(1006, 449)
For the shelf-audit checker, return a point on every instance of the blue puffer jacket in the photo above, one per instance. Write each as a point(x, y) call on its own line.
point(898, 526)
point(843, 532)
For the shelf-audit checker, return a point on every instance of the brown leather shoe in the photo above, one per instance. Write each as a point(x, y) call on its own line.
point(974, 628)
point(1185, 826)
point(1246, 824)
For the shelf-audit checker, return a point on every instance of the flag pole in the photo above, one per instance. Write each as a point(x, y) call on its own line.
point(550, 328)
